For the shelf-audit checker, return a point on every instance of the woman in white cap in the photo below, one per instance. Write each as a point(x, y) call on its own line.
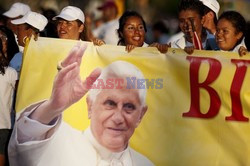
point(17, 10)
point(70, 25)
point(30, 24)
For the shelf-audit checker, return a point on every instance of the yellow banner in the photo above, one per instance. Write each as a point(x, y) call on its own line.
point(198, 110)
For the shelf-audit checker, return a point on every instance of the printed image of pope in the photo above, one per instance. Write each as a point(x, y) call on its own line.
point(40, 136)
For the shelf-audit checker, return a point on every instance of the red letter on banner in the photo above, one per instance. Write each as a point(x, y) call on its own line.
point(237, 111)
point(215, 102)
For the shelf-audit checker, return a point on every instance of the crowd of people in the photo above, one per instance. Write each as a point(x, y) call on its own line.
point(202, 28)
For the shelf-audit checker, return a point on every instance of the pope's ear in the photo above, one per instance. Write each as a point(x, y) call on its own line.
point(143, 111)
point(89, 105)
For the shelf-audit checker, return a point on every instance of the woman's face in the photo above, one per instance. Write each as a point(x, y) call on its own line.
point(69, 29)
point(22, 33)
point(226, 35)
point(4, 39)
point(134, 32)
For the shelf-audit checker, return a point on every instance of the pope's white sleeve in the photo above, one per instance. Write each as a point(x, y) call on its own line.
point(32, 130)
point(30, 138)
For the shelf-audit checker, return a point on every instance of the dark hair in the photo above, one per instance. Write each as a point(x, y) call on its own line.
point(3, 60)
point(50, 28)
point(194, 5)
point(3, 19)
point(237, 20)
point(85, 34)
point(122, 21)
point(12, 47)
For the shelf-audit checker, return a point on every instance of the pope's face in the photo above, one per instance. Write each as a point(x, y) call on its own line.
point(114, 116)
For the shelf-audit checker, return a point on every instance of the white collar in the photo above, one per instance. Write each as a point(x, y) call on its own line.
point(104, 153)
point(21, 48)
point(242, 43)
point(145, 45)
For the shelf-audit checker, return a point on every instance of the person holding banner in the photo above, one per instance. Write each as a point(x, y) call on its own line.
point(41, 138)
point(17, 10)
point(209, 21)
point(231, 30)
point(70, 25)
point(191, 13)
point(29, 25)
point(132, 30)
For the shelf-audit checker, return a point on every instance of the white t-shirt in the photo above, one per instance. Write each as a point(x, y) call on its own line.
point(242, 43)
point(7, 86)
point(108, 32)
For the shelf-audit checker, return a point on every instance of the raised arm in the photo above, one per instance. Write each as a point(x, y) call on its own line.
point(68, 87)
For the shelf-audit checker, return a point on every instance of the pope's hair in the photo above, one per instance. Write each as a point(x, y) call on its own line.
point(120, 69)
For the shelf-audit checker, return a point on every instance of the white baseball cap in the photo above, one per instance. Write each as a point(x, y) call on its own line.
point(71, 13)
point(213, 5)
point(17, 9)
point(34, 19)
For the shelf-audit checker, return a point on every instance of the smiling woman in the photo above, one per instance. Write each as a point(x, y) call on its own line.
point(70, 23)
point(231, 29)
point(132, 30)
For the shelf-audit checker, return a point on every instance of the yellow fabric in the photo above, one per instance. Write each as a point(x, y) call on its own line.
point(164, 135)
point(121, 6)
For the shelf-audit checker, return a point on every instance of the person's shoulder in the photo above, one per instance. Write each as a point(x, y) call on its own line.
point(237, 47)
point(145, 45)
point(140, 159)
point(18, 55)
point(11, 72)
point(175, 37)
point(73, 131)
point(73, 135)
point(16, 60)
point(179, 43)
